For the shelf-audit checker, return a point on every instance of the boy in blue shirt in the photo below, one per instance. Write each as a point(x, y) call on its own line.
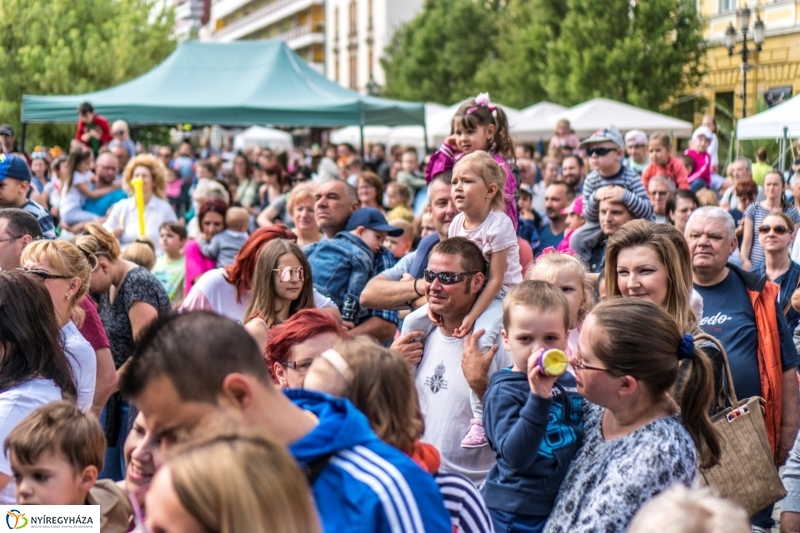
point(532, 420)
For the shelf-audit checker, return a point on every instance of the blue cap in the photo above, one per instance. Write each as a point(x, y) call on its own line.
point(371, 218)
point(13, 166)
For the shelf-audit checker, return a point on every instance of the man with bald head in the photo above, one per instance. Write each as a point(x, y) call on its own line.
point(106, 168)
point(335, 201)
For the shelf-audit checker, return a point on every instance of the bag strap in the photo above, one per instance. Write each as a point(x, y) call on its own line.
point(729, 392)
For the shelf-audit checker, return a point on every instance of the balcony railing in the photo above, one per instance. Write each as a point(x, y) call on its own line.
point(255, 15)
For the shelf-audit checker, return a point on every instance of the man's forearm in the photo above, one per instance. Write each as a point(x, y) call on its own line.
point(382, 293)
point(376, 327)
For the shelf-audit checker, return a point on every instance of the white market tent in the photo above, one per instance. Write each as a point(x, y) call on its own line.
point(352, 135)
point(590, 116)
point(402, 135)
point(263, 137)
point(769, 124)
point(535, 122)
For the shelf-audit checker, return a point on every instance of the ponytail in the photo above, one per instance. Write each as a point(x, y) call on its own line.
point(695, 397)
point(480, 111)
point(502, 137)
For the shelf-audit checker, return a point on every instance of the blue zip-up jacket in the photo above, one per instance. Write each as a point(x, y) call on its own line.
point(534, 440)
point(341, 268)
point(367, 486)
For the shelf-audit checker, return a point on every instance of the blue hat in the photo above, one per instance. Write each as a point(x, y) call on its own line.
point(13, 166)
point(371, 218)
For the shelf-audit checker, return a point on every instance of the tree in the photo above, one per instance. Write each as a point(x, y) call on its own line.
point(514, 75)
point(434, 57)
point(75, 46)
point(644, 53)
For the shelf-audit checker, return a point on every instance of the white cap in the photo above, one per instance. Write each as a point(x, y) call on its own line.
point(705, 131)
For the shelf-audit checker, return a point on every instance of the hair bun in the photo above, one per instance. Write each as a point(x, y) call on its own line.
point(88, 245)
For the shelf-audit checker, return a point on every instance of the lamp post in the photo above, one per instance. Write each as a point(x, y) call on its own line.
point(372, 87)
point(743, 20)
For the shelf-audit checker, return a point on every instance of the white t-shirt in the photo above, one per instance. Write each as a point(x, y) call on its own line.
point(124, 214)
point(444, 401)
point(213, 292)
point(83, 361)
point(73, 199)
point(15, 404)
point(494, 235)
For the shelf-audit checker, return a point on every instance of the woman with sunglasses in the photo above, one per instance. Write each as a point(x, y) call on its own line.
point(281, 287)
point(776, 235)
point(129, 297)
point(34, 370)
point(751, 251)
point(637, 441)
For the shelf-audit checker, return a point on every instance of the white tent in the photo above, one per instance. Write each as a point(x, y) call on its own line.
point(263, 137)
point(402, 135)
point(535, 122)
point(769, 124)
point(352, 135)
point(439, 125)
point(588, 117)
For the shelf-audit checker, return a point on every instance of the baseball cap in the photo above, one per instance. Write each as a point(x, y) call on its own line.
point(705, 131)
point(12, 166)
point(636, 137)
point(610, 133)
point(575, 207)
point(6, 129)
point(371, 218)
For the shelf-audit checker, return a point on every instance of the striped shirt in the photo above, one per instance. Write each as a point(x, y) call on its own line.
point(468, 512)
point(42, 216)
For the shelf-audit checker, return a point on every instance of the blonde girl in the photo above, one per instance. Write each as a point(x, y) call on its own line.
point(568, 273)
point(229, 482)
point(479, 125)
point(281, 286)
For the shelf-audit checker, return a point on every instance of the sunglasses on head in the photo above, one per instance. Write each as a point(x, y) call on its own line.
point(286, 273)
point(446, 278)
point(779, 230)
point(600, 151)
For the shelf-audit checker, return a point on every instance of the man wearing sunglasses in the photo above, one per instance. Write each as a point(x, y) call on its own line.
point(451, 367)
point(741, 310)
point(608, 180)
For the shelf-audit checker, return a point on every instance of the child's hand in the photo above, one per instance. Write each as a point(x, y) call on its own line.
point(436, 319)
point(464, 328)
point(348, 325)
point(452, 141)
point(540, 383)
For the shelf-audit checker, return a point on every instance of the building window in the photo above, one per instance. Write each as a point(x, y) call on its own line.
point(726, 6)
point(353, 70)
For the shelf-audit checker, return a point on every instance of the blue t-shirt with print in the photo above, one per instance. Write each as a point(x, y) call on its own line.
point(546, 238)
point(729, 316)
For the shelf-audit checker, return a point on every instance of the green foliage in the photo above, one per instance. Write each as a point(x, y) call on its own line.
point(52, 47)
point(567, 51)
point(434, 57)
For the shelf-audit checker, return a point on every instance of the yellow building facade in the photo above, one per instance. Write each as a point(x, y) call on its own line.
point(775, 71)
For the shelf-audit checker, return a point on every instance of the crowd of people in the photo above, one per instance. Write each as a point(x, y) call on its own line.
point(315, 341)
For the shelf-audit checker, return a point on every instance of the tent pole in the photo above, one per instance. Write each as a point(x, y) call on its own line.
point(23, 126)
point(425, 137)
point(361, 132)
point(784, 144)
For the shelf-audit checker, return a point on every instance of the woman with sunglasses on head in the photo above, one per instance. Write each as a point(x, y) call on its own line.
point(751, 251)
point(637, 441)
point(776, 235)
point(34, 370)
point(281, 286)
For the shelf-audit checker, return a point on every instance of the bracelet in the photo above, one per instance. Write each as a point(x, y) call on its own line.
point(415, 288)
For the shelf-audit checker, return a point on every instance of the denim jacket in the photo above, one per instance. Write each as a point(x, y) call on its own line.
point(341, 268)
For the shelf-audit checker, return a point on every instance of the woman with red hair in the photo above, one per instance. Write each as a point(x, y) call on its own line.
point(226, 291)
point(293, 345)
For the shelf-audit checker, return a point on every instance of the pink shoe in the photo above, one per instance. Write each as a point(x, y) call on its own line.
point(476, 438)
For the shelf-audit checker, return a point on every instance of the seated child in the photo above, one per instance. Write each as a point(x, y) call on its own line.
point(408, 174)
point(56, 453)
point(400, 246)
point(170, 268)
point(527, 220)
point(398, 196)
point(225, 245)
point(16, 184)
point(532, 420)
point(574, 221)
point(662, 162)
point(342, 266)
point(701, 173)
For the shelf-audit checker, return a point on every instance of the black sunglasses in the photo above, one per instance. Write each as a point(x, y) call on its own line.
point(599, 151)
point(446, 278)
point(780, 230)
point(42, 274)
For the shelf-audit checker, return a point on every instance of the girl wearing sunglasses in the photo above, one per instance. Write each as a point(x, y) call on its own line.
point(752, 252)
point(776, 234)
point(281, 286)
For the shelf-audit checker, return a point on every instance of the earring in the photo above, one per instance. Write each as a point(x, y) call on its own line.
point(67, 296)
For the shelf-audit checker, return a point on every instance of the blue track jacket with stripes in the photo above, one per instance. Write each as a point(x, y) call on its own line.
point(367, 485)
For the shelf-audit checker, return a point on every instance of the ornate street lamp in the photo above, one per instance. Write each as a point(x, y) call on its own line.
point(372, 87)
point(743, 20)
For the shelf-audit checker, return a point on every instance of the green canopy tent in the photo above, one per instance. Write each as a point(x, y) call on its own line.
point(233, 84)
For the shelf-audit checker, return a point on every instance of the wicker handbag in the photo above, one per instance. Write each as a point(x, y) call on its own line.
point(746, 472)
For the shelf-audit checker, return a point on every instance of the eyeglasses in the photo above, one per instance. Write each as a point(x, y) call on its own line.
point(287, 273)
point(42, 274)
point(38, 155)
point(601, 151)
point(121, 132)
point(587, 367)
point(446, 278)
point(298, 366)
point(11, 239)
point(779, 230)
